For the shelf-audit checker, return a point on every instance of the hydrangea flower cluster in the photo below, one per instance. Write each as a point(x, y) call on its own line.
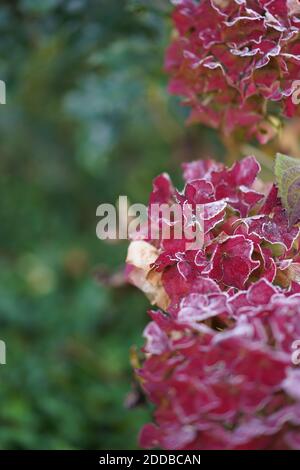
point(218, 352)
point(232, 388)
point(233, 60)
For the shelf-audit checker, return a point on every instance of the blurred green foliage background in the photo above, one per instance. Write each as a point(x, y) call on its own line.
point(87, 118)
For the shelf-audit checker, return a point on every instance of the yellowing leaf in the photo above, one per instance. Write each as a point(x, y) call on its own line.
point(287, 172)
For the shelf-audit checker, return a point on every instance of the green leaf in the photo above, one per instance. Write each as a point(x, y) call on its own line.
point(287, 172)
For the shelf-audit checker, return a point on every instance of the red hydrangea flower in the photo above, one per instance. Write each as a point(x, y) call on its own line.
point(232, 261)
point(230, 59)
point(242, 242)
point(231, 389)
point(218, 356)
